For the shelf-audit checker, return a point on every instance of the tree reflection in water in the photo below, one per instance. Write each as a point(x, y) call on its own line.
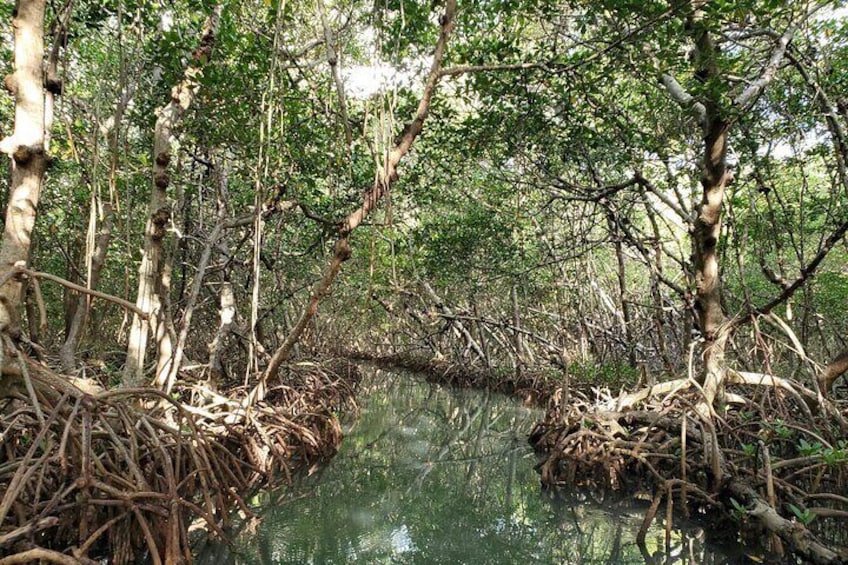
point(433, 475)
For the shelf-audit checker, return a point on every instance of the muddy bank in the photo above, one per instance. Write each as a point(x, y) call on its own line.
point(88, 473)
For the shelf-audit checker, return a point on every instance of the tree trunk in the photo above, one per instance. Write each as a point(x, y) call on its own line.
point(69, 297)
point(26, 148)
point(79, 318)
point(659, 318)
point(517, 341)
point(68, 351)
point(227, 314)
point(150, 277)
point(705, 237)
point(715, 178)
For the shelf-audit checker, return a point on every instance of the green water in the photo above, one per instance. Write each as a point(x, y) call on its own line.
point(433, 475)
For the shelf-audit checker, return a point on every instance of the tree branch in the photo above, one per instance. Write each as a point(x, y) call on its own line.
point(465, 69)
point(750, 94)
point(388, 175)
point(806, 272)
point(96, 293)
point(686, 100)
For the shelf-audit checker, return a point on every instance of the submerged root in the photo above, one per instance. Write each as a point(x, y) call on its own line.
point(124, 473)
point(771, 463)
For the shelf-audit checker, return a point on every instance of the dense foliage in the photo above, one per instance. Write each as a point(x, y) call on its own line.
point(612, 191)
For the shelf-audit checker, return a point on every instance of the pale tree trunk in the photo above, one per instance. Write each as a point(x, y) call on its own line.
point(36, 315)
point(227, 313)
point(707, 226)
point(705, 239)
point(150, 276)
point(227, 297)
point(166, 380)
point(67, 353)
point(715, 177)
point(26, 149)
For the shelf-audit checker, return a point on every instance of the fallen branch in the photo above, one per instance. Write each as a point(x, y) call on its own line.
point(39, 554)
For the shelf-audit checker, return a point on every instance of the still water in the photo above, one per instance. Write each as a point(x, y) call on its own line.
point(428, 474)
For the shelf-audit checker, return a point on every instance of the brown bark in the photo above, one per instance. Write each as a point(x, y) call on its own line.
point(799, 538)
point(151, 279)
point(26, 149)
point(835, 369)
point(706, 230)
point(341, 254)
point(386, 177)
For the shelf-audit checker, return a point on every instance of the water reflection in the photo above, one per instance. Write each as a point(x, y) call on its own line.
point(432, 475)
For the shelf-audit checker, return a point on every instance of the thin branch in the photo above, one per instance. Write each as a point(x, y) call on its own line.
point(333, 62)
point(465, 69)
point(386, 177)
point(68, 284)
point(806, 272)
point(389, 171)
point(293, 53)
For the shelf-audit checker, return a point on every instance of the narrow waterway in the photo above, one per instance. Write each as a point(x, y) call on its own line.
point(433, 475)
